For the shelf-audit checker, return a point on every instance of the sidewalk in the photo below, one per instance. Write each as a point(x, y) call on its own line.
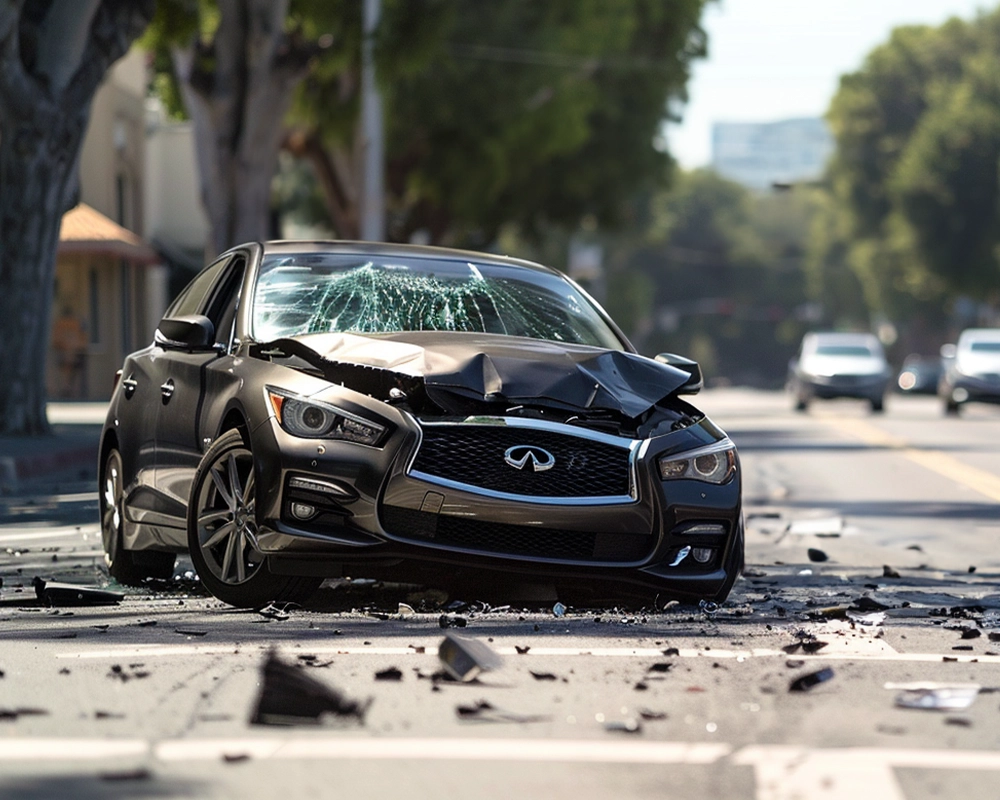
point(69, 454)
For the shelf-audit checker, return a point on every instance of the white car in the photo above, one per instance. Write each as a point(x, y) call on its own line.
point(972, 369)
point(832, 365)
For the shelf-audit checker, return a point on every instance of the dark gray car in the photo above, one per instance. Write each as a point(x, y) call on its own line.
point(319, 409)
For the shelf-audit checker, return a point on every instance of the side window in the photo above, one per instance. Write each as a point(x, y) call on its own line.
point(192, 297)
point(222, 308)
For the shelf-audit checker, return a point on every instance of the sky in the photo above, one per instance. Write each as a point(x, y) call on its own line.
point(778, 59)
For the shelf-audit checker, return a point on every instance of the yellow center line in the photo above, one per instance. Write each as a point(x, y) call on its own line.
point(979, 480)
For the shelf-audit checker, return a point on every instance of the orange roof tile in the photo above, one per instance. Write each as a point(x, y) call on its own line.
point(86, 230)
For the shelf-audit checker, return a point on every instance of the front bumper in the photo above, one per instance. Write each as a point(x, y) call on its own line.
point(827, 387)
point(392, 513)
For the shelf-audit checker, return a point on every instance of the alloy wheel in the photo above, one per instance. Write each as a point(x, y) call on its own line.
point(227, 522)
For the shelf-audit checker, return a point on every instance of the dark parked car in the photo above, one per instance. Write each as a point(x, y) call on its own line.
point(321, 409)
point(831, 365)
point(919, 375)
point(972, 369)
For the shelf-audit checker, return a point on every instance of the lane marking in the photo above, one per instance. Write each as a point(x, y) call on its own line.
point(70, 749)
point(52, 533)
point(979, 480)
point(565, 750)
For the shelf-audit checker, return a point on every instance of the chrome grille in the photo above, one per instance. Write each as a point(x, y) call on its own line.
point(473, 455)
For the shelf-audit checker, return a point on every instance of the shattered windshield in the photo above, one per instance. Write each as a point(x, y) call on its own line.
point(328, 293)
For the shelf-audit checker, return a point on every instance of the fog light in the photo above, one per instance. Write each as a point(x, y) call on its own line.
point(702, 554)
point(303, 511)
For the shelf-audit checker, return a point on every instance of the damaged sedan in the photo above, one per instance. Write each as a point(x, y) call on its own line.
point(310, 410)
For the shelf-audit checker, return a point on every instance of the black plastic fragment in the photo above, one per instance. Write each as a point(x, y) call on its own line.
point(390, 674)
point(816, 555)
point(68, 594)
point(447, 621)
point(288, 696)
point(806, 682)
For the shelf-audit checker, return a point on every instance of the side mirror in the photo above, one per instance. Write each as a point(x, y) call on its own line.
point(692, 385)
point(948, 351)
point(190, 332)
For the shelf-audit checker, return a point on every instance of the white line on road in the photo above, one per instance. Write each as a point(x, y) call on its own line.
point(50, 533)
point(630, 752)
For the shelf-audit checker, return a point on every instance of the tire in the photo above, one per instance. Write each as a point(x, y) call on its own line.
point(125, 566)
point(222, 531)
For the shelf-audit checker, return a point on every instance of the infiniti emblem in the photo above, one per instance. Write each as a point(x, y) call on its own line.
point(521, 455)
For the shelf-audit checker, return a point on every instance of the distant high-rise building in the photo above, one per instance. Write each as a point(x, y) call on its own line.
point(760, 154)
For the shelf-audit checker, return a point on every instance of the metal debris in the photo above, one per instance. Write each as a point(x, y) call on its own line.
point(629, 725)
point(465, 658)
point(288, 696)
point(274, 612)
point(806, 682)
point(447, 621)
point(484, 711)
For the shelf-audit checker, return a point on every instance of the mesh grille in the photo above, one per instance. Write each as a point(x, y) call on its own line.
point(503, 539)
point(474, 455)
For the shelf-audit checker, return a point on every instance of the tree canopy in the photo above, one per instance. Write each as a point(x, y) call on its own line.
point(915, 179)
point(495, 112)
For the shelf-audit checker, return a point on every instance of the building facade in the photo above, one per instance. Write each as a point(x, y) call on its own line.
point(760, 155)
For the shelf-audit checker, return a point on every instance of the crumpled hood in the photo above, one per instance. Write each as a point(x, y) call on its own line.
point(491, 368)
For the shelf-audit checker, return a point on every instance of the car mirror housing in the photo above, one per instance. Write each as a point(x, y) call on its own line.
point(692, 385)
point(189, 332)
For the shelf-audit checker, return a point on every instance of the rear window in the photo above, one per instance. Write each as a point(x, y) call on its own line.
point(985, 347)
point(843, 350)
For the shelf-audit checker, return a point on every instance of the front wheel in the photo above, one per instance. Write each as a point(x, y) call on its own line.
point(222, 530)
point(125, 566)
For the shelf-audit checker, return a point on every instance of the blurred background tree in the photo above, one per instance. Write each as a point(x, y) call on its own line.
point(53, 56)
point(915, 180)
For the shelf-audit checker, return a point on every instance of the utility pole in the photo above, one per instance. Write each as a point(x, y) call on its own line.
point(373, 186)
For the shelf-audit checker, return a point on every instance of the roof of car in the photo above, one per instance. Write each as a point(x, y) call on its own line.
point(346, 247)
point(987, 334)
point(839, 336)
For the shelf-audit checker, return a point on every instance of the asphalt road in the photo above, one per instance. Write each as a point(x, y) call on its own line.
point(153, 697)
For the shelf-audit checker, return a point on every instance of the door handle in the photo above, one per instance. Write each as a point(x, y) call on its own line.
point(167, 389)
point(129, 385)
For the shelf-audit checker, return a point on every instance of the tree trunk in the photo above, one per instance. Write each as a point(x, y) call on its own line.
point(35, 183)
point(45, 99)
point(237, 91)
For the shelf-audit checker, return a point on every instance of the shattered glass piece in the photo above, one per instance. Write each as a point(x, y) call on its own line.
point(806, 682)
point(405, 610)
point(558, 610)
point(465, 658)
point(874, 618)
point(290, 697)
point(931, 696)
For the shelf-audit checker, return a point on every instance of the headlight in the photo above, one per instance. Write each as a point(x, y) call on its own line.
point(315, 420)
point(713, 464)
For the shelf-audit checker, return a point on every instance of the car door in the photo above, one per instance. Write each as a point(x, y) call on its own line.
point(180, 440)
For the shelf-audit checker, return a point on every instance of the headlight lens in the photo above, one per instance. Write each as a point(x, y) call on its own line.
point(713, 464)
point(312, 419)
